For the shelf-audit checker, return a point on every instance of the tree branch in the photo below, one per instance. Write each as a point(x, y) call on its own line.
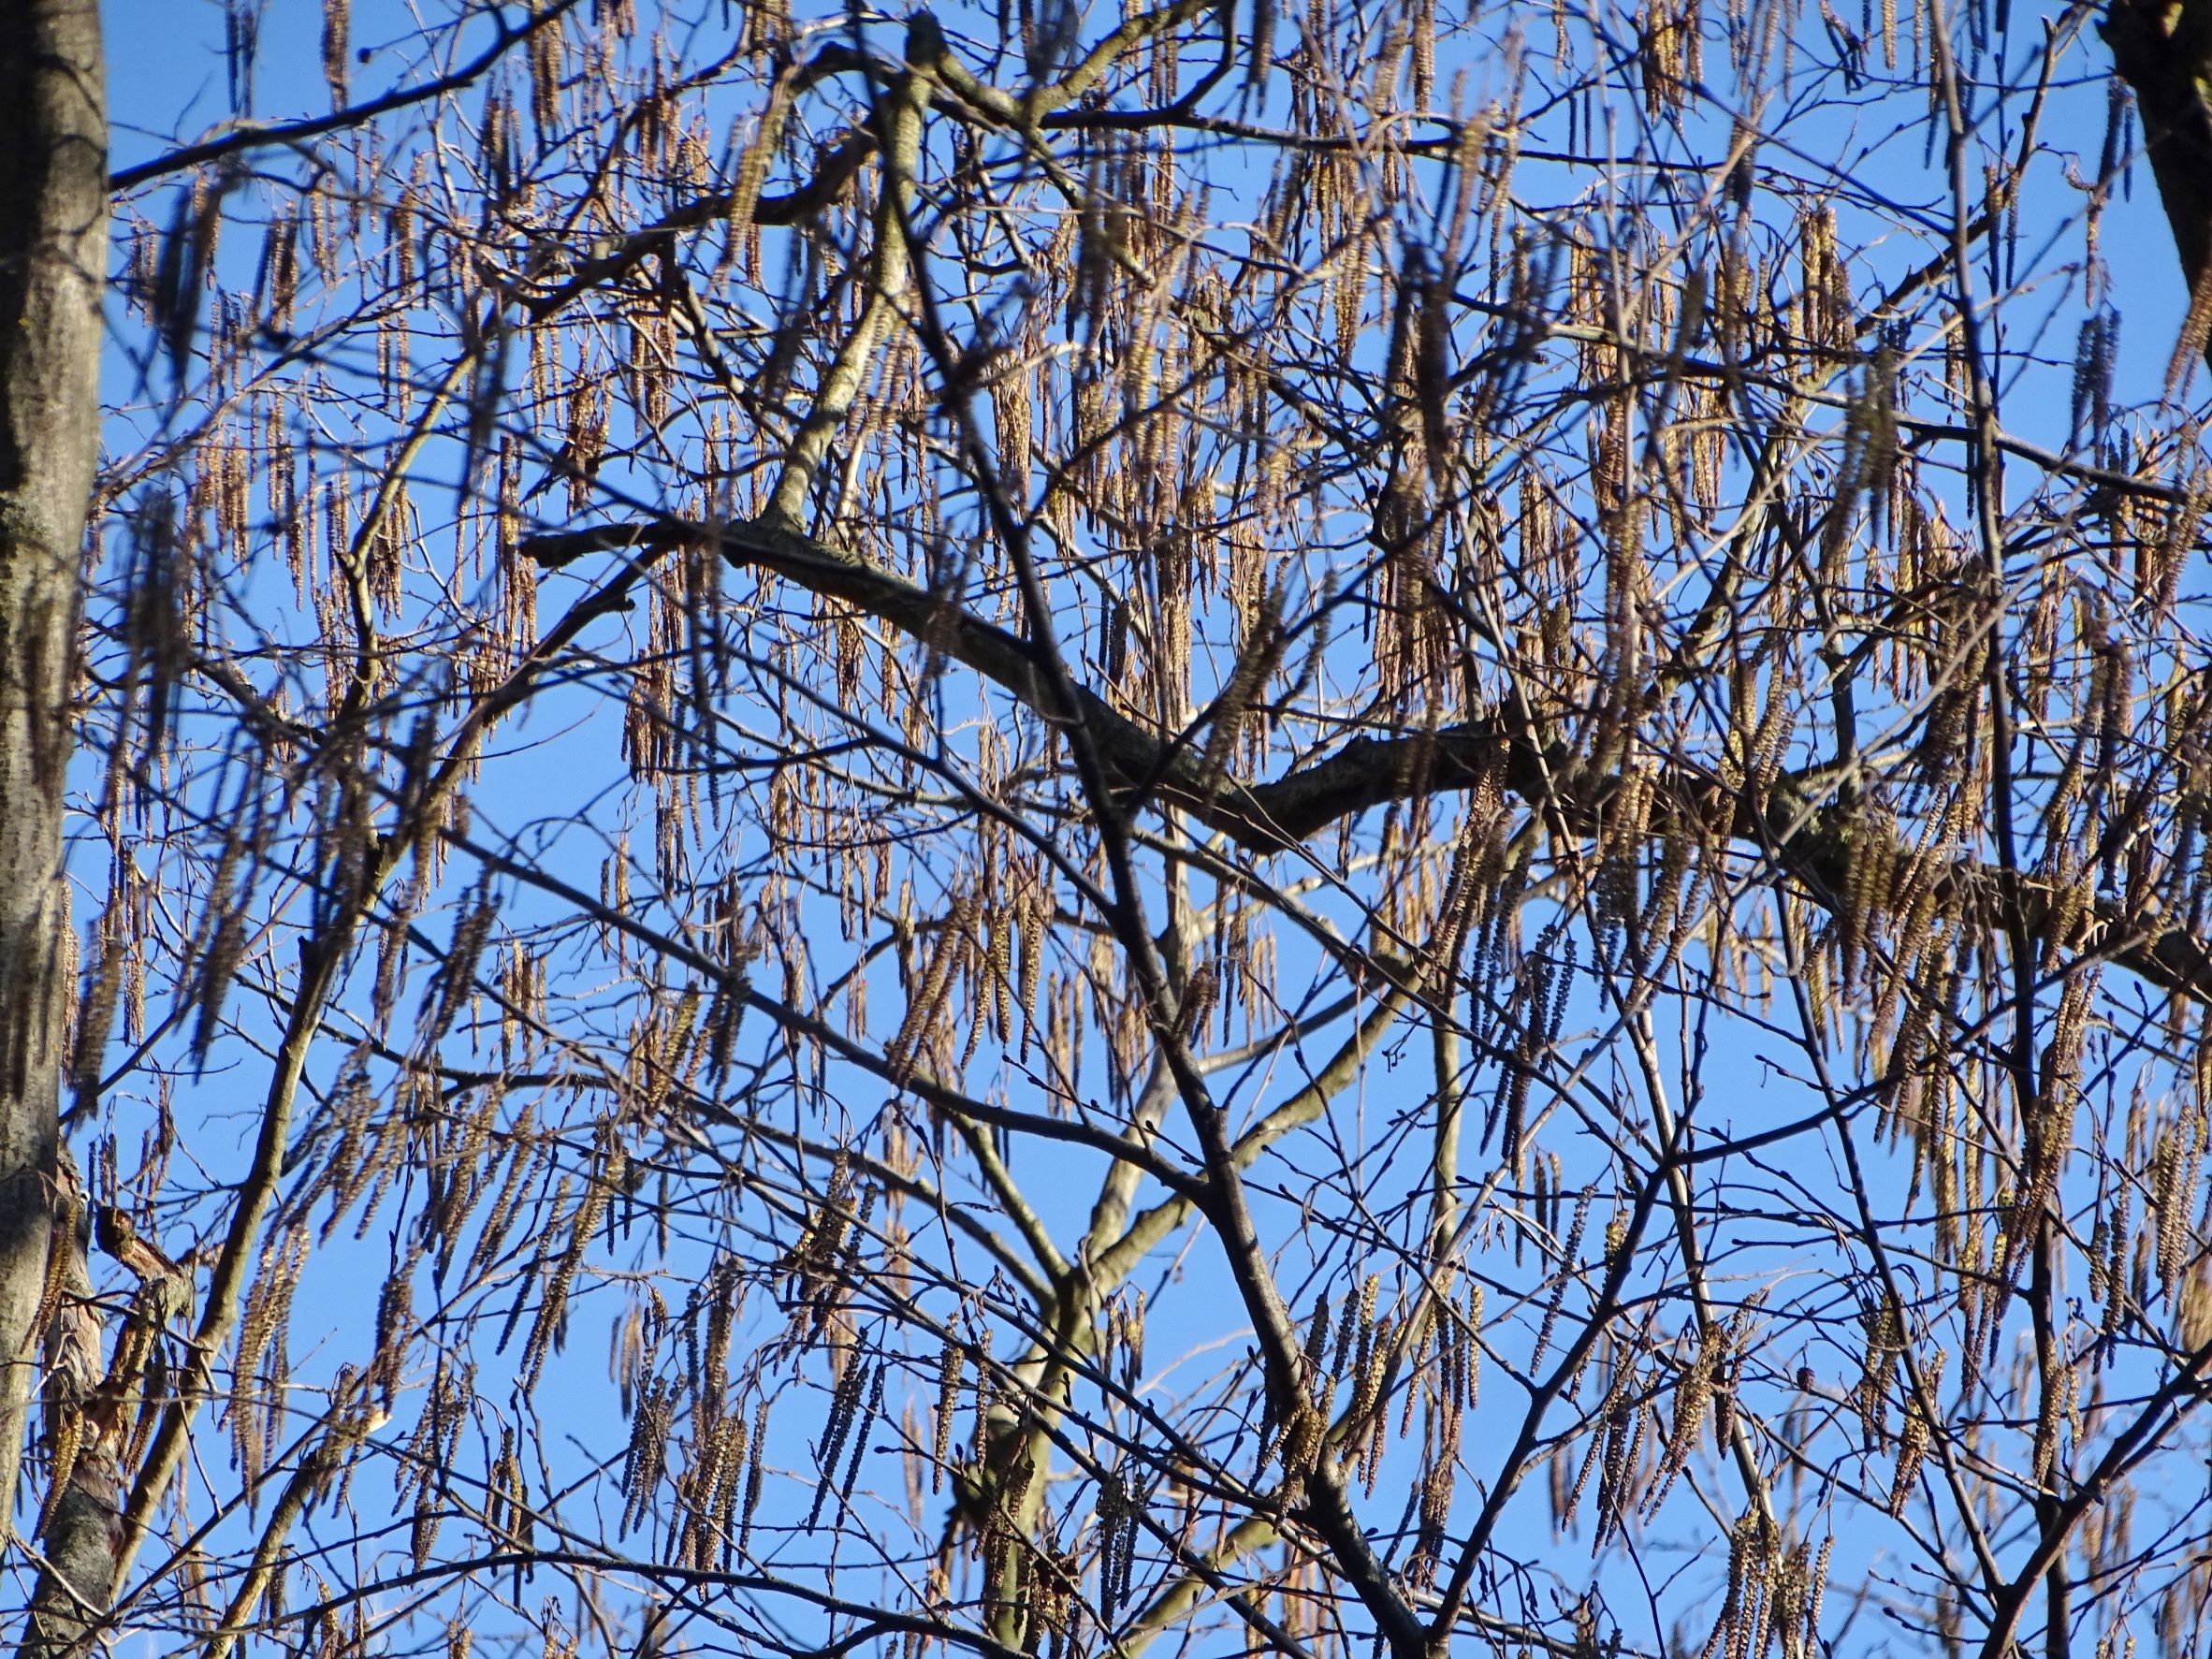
point(1813, 836)
point(256, 134)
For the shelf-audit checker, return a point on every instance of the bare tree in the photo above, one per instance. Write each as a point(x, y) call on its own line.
point(1346, 832)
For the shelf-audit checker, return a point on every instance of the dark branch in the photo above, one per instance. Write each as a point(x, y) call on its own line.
point(260, 133)
point(790, 207)
point(1809, 834)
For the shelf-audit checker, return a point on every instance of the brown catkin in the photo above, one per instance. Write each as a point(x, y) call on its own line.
point(950, 1361)
point(337, 48)
point(754, 1477)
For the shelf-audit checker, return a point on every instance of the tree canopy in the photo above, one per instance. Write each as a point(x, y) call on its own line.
point(1087, 831)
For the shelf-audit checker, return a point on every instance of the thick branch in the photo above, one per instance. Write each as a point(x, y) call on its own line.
point(832, 174)
point(1809, 835)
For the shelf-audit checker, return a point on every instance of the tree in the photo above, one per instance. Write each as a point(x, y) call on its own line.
point(54, 255)
point(1353, 832)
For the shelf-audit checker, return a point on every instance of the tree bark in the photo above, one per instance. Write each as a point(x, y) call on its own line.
point(2162, 48)
point(53, 253)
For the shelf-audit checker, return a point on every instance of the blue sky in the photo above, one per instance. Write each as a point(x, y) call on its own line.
point(170, 81)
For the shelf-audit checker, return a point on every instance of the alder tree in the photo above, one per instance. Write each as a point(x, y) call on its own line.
point(1050, 830)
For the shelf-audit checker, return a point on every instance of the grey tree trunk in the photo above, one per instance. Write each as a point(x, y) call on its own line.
point(53, 251)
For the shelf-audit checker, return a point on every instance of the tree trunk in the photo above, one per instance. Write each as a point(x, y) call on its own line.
point(53, 251)
point(2162, 48)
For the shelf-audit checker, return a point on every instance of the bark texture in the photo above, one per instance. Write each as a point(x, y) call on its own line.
point(2162, 48)
point(53, 246)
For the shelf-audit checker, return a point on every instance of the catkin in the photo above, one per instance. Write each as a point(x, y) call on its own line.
point(950, 1361)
